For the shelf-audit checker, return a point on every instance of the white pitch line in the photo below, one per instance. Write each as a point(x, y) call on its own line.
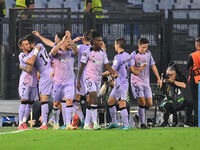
point(17, 131)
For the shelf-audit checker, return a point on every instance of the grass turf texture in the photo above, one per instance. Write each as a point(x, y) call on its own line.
point(115, 139)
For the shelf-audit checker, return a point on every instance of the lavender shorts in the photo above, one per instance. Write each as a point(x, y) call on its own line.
point(29, 93)
point(63, 91)
point(45, 86)
point(92, 86)
point(141, 91)
point(120, 92)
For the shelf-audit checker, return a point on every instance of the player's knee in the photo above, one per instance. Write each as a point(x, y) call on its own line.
point(122, 103)
point(149, 104)
point(69, 102)
point(56, 104)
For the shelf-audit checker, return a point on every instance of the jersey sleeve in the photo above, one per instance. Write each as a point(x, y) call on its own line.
point(132, 59)
point(116, 63)
point(105, 58)
point(152, 62)
point(85, 56)
point(22, 56)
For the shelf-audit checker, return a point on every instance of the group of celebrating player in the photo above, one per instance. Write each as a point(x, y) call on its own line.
point(57, 78)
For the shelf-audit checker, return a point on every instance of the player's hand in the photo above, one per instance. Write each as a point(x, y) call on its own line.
point(38, 47)
point(79, 85)
point(36, 33)
point(64, 39)
point(115, 75)
point(142, 67)
point(77, 39)
point(67, 32)
point(159, 83)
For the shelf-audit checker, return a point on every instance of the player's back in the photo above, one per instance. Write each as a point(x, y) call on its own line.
point(43, 62)
point(122, 61)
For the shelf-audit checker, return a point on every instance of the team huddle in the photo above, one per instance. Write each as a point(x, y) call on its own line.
point(52, 74)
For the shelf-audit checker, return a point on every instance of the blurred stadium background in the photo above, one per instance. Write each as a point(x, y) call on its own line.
point(170, 25)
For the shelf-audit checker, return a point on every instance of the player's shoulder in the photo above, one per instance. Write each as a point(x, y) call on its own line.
point(22, 55)
point(148, 52)
point(134, 53)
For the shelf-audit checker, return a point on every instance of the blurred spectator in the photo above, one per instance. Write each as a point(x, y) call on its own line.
point(2, 8)
point(24, 4)
point(193, 66)
point(93, 6)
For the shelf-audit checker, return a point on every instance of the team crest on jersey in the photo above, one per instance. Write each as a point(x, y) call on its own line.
point(23, 56)
point(115, 62)
point(84, 54)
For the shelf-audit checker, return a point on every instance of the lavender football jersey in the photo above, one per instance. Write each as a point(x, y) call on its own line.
point(64, 67)
point(121, 64)
point(137, 60)
point(29, 79)
point(94, 60)
point(43, 62)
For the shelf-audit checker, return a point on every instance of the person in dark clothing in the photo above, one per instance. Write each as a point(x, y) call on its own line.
point(173, 82)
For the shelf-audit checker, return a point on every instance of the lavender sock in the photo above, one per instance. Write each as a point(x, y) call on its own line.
point(113, 115)
point(78, 110)
point(45, 111)
point(56, 113)
point(27, 111)
point(63, 112)
point(68, 114)
point(21, 112)
point(94, 112)
point(124, 115)
point(88, 115)
point(141, 113)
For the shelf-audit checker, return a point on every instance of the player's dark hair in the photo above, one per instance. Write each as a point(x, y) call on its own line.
point(143, 41)
point(30, 38)
point(94, 34)
point(20, 41)
point(60, 35)
point(87, 35)
point(121, 42)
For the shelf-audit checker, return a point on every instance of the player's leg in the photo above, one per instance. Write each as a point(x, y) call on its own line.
point(44, 110)
point(68, 92)
point(77, 107)
point(112, 109)
point(33, 95)
point(63, 106)
point(148, 101)
point(94, 102)
point(24, 95)
point(45, 89)
point(57, 97)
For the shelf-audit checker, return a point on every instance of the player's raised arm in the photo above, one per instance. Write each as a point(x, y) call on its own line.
point(57, 47)
point(32, 58)
point(45, 40)
point(74, 47)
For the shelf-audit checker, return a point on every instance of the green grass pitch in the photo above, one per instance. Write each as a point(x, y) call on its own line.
point(115, 139)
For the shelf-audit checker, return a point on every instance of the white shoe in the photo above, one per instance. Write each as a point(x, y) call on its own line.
point(96, 126)
point(87, 127)
point(55, 126)
point(51, 123)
